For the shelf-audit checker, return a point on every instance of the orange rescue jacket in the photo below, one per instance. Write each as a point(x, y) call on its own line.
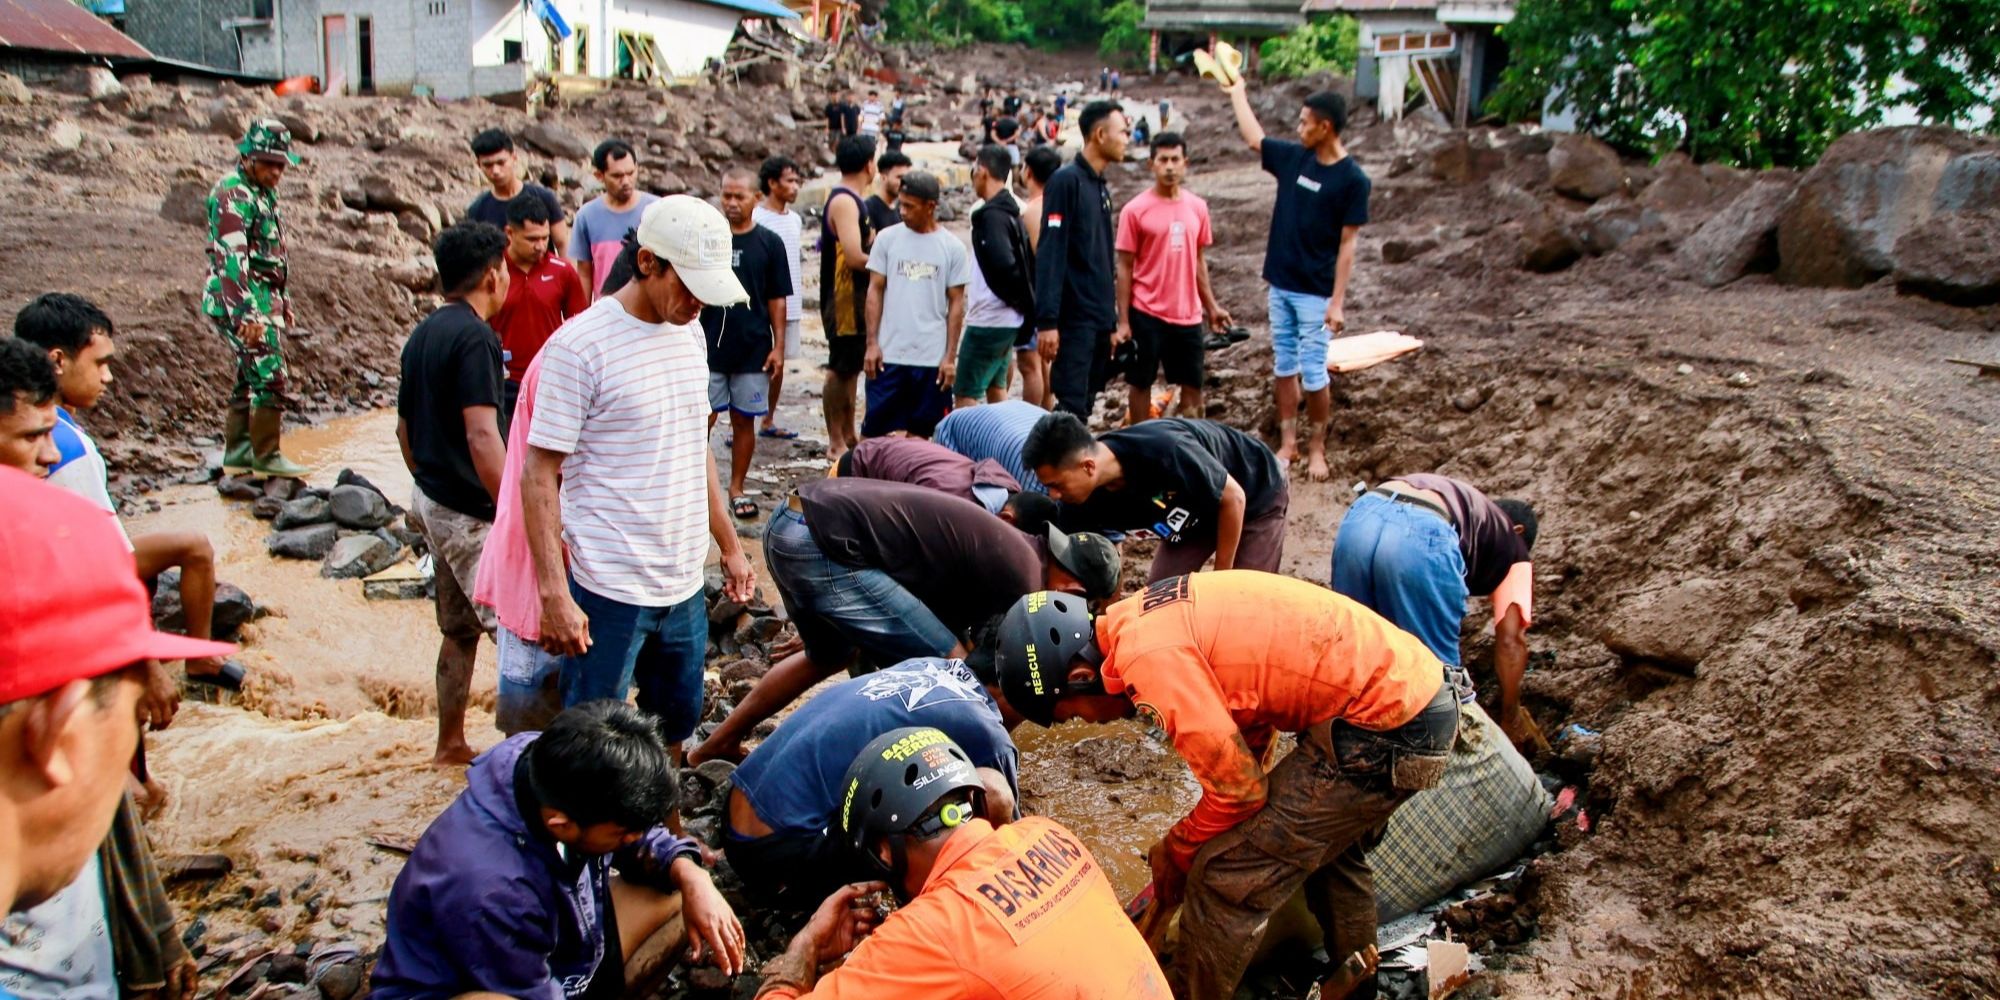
point(1221, 661)
point(1021, 912)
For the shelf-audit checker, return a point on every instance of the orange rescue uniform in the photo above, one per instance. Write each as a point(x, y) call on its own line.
point(1224, 660)
point(1019, 912)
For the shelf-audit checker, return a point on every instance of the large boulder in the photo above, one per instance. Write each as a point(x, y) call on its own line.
point(1952, 257)
point(233, 608)
point(13, 91)
point(1678, 186)
point(186, 203)
point(360, 507)
point(1739, 238)
point(94, 82)
point(304, 511)
point(1611, 222)
point(1457, 161)
point(1583, 167)
point(384, 192)
point(360, 555)
point(1548, 242)
point(1677, 626)
point(312, 542)
point(1852, 209)
point(554, 140)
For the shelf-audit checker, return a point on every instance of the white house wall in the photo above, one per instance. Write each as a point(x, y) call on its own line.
point(417, 43)
point(688, 34)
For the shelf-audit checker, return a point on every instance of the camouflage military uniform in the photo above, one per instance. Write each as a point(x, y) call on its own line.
point(246, 281)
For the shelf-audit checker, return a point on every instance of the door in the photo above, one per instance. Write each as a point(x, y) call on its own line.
point(364, 35)
point(333, 54)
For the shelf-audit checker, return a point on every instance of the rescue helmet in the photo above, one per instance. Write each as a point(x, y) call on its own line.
point(1041, 634)
point(893, 789)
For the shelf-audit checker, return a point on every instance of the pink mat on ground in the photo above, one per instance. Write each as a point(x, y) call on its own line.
point(1366, 350)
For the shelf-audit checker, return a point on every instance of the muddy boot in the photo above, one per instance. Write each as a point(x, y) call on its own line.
point(237, 455)
point(267, 460)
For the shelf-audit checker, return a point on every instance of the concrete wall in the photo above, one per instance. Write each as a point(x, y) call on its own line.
point(189, 30)
point(687, 34)
point(416, 43)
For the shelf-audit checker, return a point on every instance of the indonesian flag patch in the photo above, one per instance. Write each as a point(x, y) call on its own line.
point(1055, 221)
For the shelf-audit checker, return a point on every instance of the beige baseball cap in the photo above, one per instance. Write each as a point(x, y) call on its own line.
point(694, 237)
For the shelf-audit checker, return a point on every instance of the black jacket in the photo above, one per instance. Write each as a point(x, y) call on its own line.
point(1076, 274)
point(1000, 246)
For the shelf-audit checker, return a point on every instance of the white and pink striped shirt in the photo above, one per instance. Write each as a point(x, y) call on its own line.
point(628, 403)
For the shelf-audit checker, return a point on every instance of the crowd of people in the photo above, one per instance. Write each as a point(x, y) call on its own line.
point(961, 562)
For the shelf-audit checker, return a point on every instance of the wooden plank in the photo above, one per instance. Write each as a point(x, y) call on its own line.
point(1985, 367)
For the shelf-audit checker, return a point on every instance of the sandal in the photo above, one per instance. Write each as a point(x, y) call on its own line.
point(743, 507)
point(229, 678)
point(781, 433)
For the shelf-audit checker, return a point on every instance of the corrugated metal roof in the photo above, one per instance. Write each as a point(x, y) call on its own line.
point(63, 27)
point(1354, 6)
point(754, 8)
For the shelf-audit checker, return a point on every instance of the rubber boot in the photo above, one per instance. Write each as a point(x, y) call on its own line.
point(237, 455)
point(265, 423)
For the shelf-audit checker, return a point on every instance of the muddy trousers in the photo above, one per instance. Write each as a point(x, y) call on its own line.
point(1327, 804)
point(260, 369)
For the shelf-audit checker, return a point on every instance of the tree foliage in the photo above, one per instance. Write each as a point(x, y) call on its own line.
point(1043, 23)
point(1751, 82)
point(1330, 43)
point(1122, 34)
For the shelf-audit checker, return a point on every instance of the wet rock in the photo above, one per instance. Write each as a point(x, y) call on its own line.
point(742, 670)
point(266, 508)
point(303, 511)
point(1611, 222)
point(1471, 399)
point(239, 488)
point(303, 543)
point(1403, 251)
point(342, 981)
point(554, 140)
point(1583, 167)
point(270, 898)
point(1676, 626)
point(1741, 237)
point(758, 631)
point(360, 507)
point(1548, 243)
point(349, 477)
point(303, 128)
point(94, 82)
point(286, 969)
point(283, 487)
point(186, 203)
point(1844, 224)
point(358, 556)
point(1952, 257)
point(233, 608)
point(13, 91)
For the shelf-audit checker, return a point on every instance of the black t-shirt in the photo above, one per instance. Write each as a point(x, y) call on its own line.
point(1010, 105)
point(493, 211)
point(452, 361)
point(965, 564)
point(881, 214)
point(1175, 470)
point(896, 108)
point(836, 112)
point(1486, 537)
point(1315, 201)
point(739, 337)
point(850, 117)
point(894, 136)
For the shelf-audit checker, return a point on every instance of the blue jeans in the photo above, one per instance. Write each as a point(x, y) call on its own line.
point(838, 608)
point(661, 649)
point(1403, 562)
point(1298, 338)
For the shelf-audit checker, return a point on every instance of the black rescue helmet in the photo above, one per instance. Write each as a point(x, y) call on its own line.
point(1039, 637)
point(892, 786)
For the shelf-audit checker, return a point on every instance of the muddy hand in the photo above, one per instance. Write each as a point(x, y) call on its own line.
point(843, 920)
point(713, 929)
point(565, 628)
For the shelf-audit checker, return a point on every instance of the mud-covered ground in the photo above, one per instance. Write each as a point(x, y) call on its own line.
point(1765, 575)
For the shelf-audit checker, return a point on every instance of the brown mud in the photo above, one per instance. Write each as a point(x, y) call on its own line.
point(1765, 575)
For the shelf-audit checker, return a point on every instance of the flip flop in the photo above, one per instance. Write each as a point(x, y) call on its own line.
point(1238, 334)
point(743, 507)
point(229, 679)
point(781, 433)
point(1216, 342)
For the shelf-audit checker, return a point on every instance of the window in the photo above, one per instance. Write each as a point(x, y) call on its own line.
point(638, 58)
point(510, 51)
point(582, 67)
point(436, 8)
point(1415, 43)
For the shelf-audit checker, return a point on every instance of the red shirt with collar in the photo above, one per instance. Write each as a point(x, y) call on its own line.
point(539, 300)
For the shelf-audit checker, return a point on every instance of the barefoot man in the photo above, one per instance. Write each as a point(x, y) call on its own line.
point(1322, 204)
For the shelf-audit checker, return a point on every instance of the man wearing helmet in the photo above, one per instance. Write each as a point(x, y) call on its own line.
point(246, 301)
point(1223, 662)
point(1021, 912)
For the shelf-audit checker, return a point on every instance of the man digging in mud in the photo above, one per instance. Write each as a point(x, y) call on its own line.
point(888, 572)
point(1315, 223)
point(511, 889)
point(973, 923)
point(1369, 704)
point(936, 467)
point(448, 426)
point(77, 336)
point(1206, 489)
point(246, 300)
point(787, 793)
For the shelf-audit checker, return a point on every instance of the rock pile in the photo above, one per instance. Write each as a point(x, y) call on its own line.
point(351, 528)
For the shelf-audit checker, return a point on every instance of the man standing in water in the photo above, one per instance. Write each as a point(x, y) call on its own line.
point(1322, 204)
point(245, 298)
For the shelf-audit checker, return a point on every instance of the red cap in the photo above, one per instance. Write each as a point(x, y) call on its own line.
point(71, 606)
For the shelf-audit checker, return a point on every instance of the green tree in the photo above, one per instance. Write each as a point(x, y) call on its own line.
point(1330, 43)
point(1751, 82)
point(1122, 35)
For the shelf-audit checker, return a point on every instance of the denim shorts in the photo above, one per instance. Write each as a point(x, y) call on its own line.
point(1403, 562)
point(530, 693)
point(659, 649)
point(1299, 337)
point(839, 609)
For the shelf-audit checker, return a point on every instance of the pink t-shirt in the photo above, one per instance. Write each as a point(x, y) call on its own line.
point(1163, 236)
point(506, 581)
